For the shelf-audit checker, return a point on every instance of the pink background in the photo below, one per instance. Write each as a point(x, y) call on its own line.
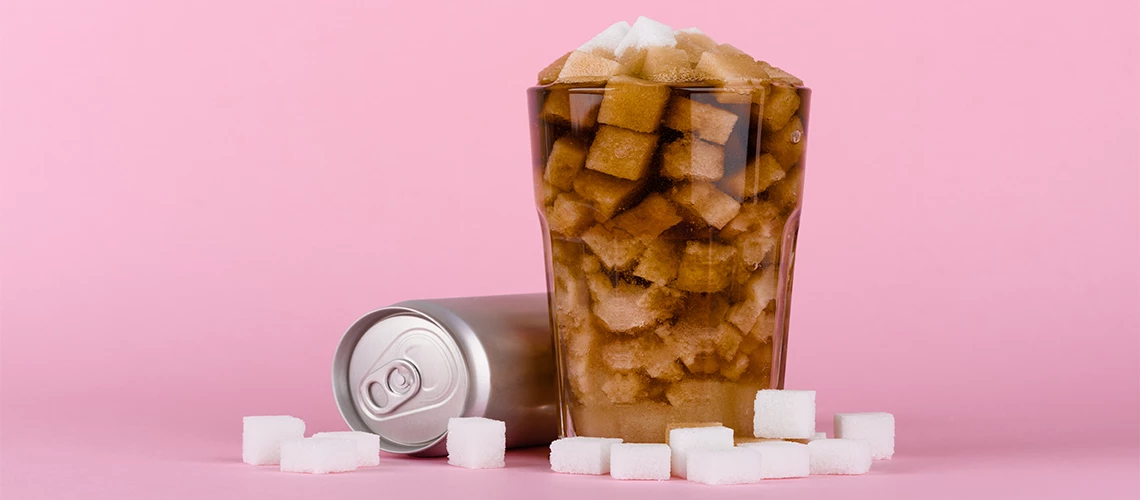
point(197, 198)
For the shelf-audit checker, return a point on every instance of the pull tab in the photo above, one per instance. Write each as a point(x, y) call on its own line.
point(392, 385)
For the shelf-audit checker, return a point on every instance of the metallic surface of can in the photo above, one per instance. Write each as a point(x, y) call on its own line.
point(402, 371)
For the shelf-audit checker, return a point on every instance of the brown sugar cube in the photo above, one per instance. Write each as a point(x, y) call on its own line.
point(779, 75)
point(787, 144)
point(550, 73)
point(627, 307)
point(570, 215)
point(667, 64)
point(734, 369)
point(549, 193)
point(731, 68)
point(642, 354)
point(623, 388)
point(765, 325)
point(701, 338)
point(786, 193)
point(705, 121)
point(711, 204)
point(705, 267)
point(633, 104)
point(556, 106)
point(566, 158)
point(779, 107)
point(659, 262)
point(759, 292)
point(752, 215)
point(583, 67)
point(754, 178)
point(694, 159)
point(575, 107)
point(756, 248)
point(607, 193)
point(616, 248)
point(621, 153)
point(648, 219)
point(694, 43)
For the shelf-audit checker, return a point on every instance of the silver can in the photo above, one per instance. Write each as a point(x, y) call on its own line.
point(402, 371)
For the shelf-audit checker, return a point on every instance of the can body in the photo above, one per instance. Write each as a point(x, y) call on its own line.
point(670, 248)
point(402, 371)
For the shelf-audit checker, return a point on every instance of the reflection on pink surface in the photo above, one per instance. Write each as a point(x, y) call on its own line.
point(196, 199)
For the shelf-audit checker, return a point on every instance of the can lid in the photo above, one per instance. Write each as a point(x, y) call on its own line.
point(401, 375)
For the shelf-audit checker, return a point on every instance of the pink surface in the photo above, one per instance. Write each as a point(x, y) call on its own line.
point(197, 198)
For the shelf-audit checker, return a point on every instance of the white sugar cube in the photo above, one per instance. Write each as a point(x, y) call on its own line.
point(261, 437)
point(784, 414)
point(727, 466)
point(818, 435)
point(684, 441)
point(646, 33)
point(581, 455)
point(877, 428)
point(476, 443)
point(606, 42)
point(318, 455)
point(691, 31)
point(367, 445)
point(840, 456)
point(781, 459)
point(639, 461)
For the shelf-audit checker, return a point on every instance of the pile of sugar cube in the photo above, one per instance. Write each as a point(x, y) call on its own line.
point(785, 445)
point(280, 440)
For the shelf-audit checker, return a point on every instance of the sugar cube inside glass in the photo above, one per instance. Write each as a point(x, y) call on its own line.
point(724, 466)
point(784, 414)
point(877, 428)
point(261, 437)
point(781, 459)
point(686, 440)
point(839, 456)
point(318, 455)
point(476, 443)
point(367, 445)
point(581, 455)
point(639, 461)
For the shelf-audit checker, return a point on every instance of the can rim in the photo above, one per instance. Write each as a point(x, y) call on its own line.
point(471, 350)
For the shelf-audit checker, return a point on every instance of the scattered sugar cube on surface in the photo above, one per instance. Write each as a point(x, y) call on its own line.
point(839, 456)
point(639, 461)
point(785, 414)
point(261, 437)
point(319, 455)
point(684, 441)
point(646, 33)
point(367, 445)
point(581, 455)
point(877, 428)
point(781, 459)
point(819, 435)
point(476, 442)
point(606, 42)
point(688, 425)
point(724, 466)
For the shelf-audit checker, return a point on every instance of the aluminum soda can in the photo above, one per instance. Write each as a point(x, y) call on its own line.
point(402, 371)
